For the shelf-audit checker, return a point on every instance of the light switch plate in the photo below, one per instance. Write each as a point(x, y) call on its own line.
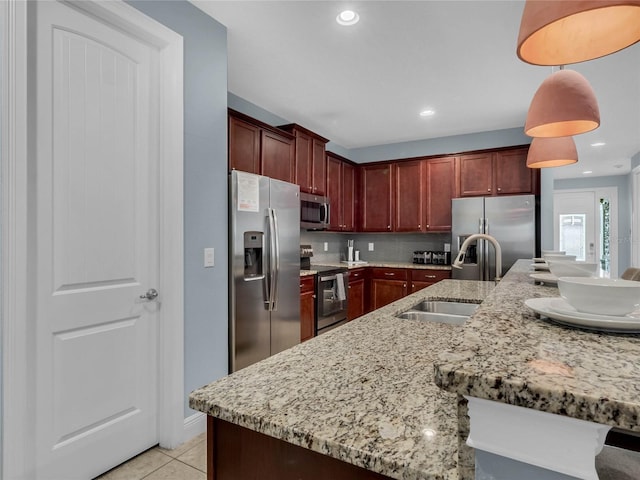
point(371, 246)
point(209, 257)
point(326, 246)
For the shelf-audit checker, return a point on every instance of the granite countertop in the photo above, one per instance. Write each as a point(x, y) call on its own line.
point(362, 393)
point(506, 353)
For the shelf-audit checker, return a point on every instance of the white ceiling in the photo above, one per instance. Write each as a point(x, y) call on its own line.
point(365, 85)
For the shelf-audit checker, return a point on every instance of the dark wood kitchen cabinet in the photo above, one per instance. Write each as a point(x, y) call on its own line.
point(501, 172)
point(376, 204)
point(256, 147)
point(512, 176)
point(307, 307)
point(422, 278)
point(409, 194)
point(277, 154)
point(356, 306)
point(341, 189)
point(244, 146)
point(476, 175)
point(440, 189)
point(310, 160)
point(387, 285)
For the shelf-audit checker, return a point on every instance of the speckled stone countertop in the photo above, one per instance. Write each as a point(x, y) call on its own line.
point(506, 353)
point(362, 393)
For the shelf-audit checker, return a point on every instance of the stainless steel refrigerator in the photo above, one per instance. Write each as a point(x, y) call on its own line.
point(510, 219)
point(264, 270)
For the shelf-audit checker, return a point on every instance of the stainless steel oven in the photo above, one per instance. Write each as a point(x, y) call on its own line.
point(332, 286)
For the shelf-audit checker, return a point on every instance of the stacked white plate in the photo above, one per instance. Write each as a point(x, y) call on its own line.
point(560, 311)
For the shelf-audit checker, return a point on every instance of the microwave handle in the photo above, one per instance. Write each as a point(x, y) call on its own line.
point(325, 209)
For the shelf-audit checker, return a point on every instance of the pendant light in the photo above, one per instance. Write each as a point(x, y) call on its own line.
point(552, 152)
point(559, 32)
point(563, 105)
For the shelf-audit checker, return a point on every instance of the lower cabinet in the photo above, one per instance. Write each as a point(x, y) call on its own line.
point(356, 295)
point(421, 278)
point(307, 307)
point(387, 285)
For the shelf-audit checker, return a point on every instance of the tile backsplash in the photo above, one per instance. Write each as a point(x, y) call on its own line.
point(388, 247)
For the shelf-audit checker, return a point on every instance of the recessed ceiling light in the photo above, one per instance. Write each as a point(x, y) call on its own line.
point(598, 144)
point(587, 172)
point(427, 113)
point(347, 18)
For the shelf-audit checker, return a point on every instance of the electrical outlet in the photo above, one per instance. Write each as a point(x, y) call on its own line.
point(326, 246)
point(371, 246)
point(209, 258)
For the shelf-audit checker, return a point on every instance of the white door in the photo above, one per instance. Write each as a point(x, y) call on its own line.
point(96, 249)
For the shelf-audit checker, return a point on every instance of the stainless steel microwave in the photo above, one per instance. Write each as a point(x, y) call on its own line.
point(314, 212)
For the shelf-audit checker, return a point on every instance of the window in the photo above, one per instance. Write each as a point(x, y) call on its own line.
point(573, 234)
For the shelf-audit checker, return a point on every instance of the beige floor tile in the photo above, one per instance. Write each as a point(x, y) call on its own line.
point(176, 470)
point(176, 452)
point(138, 467)
point(196, 457)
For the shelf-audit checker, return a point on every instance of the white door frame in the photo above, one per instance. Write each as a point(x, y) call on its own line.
point(17, 221)
point(635, 217)
point(612, 194)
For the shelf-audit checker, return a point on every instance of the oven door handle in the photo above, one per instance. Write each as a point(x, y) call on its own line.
point(325, 279)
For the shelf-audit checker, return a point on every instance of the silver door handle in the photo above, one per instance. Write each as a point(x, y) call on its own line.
point(151, 294)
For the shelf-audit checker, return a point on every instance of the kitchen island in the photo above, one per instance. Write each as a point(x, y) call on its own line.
point(362, 394)
point(365, 394)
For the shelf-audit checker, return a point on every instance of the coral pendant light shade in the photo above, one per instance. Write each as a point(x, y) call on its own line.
point(559, 32)
point(552, 152)
point(563, 105)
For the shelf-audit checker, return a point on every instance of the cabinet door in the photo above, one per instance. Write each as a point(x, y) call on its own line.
point(408, 194)
point(376, 198)
point(277, 156)
point(319, 168)
point(421, 278)
point(439, 192)
point(476, 175)
point(348, 197)
point(512, 174)
point(307, 308)
point(416, 286)
point(384, 292)
point(244, 146)
point(303, 161)
point(355, 306)
point(334, 192)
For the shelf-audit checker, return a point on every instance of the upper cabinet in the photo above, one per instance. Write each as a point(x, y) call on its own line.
point(244, 145)
point(376, 189)
point(440, 189)
point(310, 161)
point(502, 172)
point(341, 188)
point(256, 147)
point(409, 196)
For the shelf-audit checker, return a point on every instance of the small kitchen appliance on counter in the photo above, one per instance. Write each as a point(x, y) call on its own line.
point(430, 257)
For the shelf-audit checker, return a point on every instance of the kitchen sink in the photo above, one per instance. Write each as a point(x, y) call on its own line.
point(452, 308)
point(453, 313)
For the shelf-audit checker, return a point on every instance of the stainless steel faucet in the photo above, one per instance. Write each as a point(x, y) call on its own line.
point(480, 236)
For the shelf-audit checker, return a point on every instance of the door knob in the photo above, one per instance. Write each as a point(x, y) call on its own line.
point(150, 295)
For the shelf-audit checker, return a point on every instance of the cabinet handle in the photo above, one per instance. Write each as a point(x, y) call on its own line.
point(499, 189)
point(427, 225)
point(419, 226)
point(404, 285)
point(389, 274)
point(388, 227)
point(349, 286)
point(300, 285)
point(314, 295)
point(488, 189)
point(429, 276)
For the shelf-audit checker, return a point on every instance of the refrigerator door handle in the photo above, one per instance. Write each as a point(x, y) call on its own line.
point(481, 225)
point(274, 254)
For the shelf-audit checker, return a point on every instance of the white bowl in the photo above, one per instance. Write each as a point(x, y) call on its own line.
point(553, 252)
point(602, 296)
point(559, 257)
point(565, 268)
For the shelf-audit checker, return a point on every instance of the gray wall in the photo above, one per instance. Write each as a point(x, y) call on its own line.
point(624, 209)
point(205, 187)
